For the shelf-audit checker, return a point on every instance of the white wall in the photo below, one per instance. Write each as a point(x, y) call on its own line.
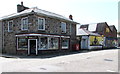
point(84, 42)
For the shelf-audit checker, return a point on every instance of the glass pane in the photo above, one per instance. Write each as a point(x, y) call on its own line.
point(63, 27)
point(22, 44)
point(65, 44)
point(43, 43)
point(25, 23)
point(53, 43)
point(10, 26)
point(41, 23)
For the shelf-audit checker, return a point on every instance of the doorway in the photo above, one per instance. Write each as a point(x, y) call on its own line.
point(32, 46)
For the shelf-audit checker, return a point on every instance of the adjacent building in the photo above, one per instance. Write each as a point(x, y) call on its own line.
point(108, 33)
point(89, 40)
point(33, 31)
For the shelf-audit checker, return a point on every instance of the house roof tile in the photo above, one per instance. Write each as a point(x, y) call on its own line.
point(39, 12)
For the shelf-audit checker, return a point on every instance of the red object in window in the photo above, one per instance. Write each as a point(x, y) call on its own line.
point(76, 47)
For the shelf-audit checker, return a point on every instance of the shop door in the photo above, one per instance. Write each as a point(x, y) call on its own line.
point(32, 44)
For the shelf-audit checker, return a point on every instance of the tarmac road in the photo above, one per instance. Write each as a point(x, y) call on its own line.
point(94, 61)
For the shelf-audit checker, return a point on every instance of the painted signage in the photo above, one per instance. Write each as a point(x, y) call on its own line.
point(96, 40)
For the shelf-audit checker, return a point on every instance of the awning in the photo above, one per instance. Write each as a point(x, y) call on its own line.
point(43, 35)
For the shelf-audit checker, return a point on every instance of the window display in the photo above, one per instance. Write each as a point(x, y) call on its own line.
point(53, 43)
point(43, 43)
point(65, 43)
point(22, 44)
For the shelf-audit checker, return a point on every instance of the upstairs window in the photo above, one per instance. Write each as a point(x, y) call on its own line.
point(10, 26)
point(24, 23)
point(63, 27)
point(41, 23)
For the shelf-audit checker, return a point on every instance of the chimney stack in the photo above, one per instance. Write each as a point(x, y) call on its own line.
point(22, 3)
point(71, 17)
point(21, 7)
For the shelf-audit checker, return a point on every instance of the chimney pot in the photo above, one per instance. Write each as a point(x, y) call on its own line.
point(71, 17)
point(22, 3)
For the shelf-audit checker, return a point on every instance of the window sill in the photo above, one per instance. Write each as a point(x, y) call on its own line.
point(41, 29)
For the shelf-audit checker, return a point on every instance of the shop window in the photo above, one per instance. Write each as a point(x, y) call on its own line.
point(63, 27)
point(22, 44)
point(24, 23)
point(43, 43)
point(10, 26)
point(65, 43)
point(41, 23)
point(53, 43)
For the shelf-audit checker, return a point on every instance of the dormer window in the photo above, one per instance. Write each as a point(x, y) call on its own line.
point(24, 23)
point(63, 27)
point(10, 26)
point(41, 23)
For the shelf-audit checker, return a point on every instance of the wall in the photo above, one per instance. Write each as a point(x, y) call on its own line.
point(84, 42)
point(52, 26)
point(0, 36)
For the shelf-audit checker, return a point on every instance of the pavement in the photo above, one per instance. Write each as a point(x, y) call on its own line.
point(87, 61)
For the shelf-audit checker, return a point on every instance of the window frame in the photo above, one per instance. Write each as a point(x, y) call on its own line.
point(24, 24)
point(43, 23)
point(9, 26)
point(22, 48)
point(64, 26)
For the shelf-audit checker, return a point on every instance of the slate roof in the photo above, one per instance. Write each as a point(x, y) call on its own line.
point(84, 26)
point(95, 27)
point(39, 12)
point(112, 27)
point(84, 32)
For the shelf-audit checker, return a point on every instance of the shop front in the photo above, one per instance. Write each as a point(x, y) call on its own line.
point(34, 43)
point(110, 42)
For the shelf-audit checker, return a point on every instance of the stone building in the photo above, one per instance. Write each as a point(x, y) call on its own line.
point(35, 31)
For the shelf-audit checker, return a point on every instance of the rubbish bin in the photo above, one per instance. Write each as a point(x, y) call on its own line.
point(76, 47)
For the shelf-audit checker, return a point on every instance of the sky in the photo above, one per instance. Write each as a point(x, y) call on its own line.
point(83, 11)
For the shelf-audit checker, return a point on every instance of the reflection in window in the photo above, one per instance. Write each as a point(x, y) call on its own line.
point(22, 44)
point(41, 24)
point(24, 23)
point(63, 27)
point(53, 43)
point(65, 43)
point(43, 43)
point(10, 26)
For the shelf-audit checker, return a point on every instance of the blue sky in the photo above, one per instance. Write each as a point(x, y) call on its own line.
point(83, 11)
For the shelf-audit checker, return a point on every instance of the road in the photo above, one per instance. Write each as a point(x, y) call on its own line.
point(94, 61)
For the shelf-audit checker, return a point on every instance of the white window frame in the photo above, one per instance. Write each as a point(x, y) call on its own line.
point(64, 26)
point(43, 23)
point(9, 26)
point(23, 24)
